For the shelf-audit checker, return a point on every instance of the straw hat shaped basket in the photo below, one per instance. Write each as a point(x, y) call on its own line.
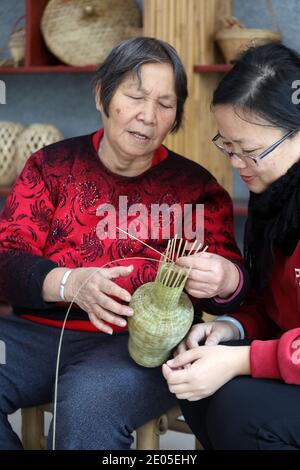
point(233, 38)
point(32, 139)
point(9, 134)
point(82, 32)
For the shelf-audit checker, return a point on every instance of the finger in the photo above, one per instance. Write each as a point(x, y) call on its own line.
point(200, 294)
point(197, 262)
point(180, 388)
point(185, 358)
point(107, 316)
point(196, 335)
point(213, 339)
point(166, 370)
point(112, 289)
point(112, 306)
point(181, 348)
point(99, 324)
point(177, 376)
point(184, 396)
point(118, 271)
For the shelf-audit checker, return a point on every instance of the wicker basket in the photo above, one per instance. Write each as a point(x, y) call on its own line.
point(82, 32)
point(234, 41)
point(17, 43)
point(9, 134)
point(32, 139)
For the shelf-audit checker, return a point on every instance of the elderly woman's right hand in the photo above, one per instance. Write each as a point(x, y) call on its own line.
point(95, 295)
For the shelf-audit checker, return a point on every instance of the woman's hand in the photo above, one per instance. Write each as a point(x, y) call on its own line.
point(95, 295)
point(209, 334)
point(211, 275)
point(211, 367)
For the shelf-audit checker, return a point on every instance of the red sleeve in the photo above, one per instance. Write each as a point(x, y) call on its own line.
point(25, 222)
point(255, 320)
point(277, 359)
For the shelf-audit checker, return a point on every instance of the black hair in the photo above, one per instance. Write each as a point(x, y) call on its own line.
point(263, 81)
point(128, 57)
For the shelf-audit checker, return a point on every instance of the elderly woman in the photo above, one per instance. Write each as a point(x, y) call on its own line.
point(247, 396)
point(59, 235)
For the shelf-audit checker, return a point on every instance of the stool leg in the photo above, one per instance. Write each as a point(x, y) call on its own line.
point(32, 428)
point(147, 436)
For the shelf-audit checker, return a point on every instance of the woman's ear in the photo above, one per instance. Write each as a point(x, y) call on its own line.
point(97, 99)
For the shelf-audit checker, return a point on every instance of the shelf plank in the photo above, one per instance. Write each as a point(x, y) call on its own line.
point(49, 69)
point(240, 207)
point(4, 191)
point(209, 68)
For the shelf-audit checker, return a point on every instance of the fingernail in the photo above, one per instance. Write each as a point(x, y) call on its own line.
point(110, 332)
point(129, 311)
point(122, 323)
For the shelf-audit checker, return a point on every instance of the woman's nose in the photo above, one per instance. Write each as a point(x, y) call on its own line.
point(237, 162)
point(148, 112)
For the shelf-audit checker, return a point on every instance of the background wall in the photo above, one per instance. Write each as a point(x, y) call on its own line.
point(66, 100)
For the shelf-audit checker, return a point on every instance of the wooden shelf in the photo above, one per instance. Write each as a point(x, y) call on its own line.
point(38, 58)
point(48, 69)
point(4, 191)
point(209, 68)
point(240, 207)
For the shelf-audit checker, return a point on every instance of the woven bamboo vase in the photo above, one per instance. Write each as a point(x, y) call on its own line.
point(163, 314)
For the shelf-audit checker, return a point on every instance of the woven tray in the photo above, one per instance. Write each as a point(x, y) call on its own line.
point(82, 32)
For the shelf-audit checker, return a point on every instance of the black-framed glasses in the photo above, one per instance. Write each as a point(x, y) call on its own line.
point(245, 157)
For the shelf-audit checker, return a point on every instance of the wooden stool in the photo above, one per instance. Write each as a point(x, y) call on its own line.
point(147, 436)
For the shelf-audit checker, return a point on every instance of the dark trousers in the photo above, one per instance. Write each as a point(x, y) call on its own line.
point(102, 394)
point(247, 414)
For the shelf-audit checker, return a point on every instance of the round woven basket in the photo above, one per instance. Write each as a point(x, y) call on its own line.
point(82, 32)
point(9, 134)
point(32, 139)
point(234, 41)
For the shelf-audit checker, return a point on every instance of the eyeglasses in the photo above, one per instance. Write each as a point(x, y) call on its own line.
point(251, 158)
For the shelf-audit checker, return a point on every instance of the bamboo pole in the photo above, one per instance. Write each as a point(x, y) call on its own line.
point(189, 25)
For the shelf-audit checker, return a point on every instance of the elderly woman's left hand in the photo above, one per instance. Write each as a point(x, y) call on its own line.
point(211, 275)
point(211, 367)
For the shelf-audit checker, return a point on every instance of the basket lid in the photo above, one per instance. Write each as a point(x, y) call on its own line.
point(82, 32)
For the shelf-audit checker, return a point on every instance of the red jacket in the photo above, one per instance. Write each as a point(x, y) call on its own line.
point(275, 318)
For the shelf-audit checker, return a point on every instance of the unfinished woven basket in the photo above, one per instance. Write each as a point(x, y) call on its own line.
point(82, 32)
point(9, 134)
point(32, 139)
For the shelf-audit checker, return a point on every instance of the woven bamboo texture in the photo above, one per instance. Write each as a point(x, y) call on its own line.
point(82, 32)
point(9, 134)
point(162, 317)
point(190, 26)
point(32, 139)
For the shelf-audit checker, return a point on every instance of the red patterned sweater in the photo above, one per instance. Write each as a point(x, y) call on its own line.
point(49, 220)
